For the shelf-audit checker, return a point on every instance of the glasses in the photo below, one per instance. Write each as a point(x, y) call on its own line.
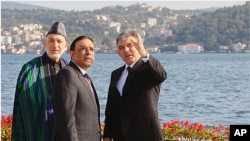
point(84, 49)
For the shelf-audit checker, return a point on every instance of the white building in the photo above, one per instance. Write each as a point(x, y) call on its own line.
point(190, 48)
point(152, 21)
point(115, 25)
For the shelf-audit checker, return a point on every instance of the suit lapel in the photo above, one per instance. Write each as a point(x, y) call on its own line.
point(95, 94)
point(85, 84)
point(116, 77)
point(131, 77)
point(88, 88)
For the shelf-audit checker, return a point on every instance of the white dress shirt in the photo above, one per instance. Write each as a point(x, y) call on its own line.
point(124, 75)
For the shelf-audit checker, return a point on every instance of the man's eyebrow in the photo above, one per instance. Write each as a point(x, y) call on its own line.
point(82, 46)
point(86, 46)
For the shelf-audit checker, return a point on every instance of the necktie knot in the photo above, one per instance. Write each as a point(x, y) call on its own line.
point(86, 76)
point(129, 69)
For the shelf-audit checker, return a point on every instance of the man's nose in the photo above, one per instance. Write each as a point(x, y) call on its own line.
point(126, 48)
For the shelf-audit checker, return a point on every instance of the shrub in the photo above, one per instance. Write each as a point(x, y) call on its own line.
point(183, 130)
point(6, 125)
point(178, 130)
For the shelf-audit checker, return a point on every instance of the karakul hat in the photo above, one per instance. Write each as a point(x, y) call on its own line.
point(57, 28)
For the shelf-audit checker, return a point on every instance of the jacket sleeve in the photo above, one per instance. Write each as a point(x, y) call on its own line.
point(156, 71)
point(64, 100)
point(108, 112)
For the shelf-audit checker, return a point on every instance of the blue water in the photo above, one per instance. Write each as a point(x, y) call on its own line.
point(205, 88)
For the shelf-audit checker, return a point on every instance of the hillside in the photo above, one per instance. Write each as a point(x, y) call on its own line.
point(21, 6)
point(224, 26)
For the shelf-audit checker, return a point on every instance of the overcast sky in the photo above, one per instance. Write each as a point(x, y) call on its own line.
point(97, 4)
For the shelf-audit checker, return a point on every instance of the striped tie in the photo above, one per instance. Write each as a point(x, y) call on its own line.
point(87, 76)
point(89, 81)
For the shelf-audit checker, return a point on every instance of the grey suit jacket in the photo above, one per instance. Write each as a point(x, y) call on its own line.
point(76, 107)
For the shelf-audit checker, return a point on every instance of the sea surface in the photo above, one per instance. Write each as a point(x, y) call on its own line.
point(207, 88)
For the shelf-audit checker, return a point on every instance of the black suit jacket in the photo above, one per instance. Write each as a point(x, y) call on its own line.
point(76, 108)
point(134, 115)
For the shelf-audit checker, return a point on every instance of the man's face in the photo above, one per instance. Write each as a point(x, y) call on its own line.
point(84, 53)
point(127, 50)
point(55, 45)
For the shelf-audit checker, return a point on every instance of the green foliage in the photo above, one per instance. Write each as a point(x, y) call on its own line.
point(224, 26)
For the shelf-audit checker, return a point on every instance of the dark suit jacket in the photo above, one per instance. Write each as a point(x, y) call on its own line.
point(76, 108)
point(134, 115)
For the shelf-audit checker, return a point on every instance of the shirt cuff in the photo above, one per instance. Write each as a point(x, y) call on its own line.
point(145, 59)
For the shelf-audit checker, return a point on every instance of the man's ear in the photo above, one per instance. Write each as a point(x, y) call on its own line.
point(71, 54)
point(67, 44)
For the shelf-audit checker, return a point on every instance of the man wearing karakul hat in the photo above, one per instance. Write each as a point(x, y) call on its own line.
point(33, 118)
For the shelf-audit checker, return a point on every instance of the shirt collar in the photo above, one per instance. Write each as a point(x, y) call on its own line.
point(132, 65)
point(82, 70)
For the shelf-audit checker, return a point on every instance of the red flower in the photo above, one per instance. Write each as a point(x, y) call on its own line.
point(6, 125)
point(165, 125)
point(173, 129)
point(176, 129)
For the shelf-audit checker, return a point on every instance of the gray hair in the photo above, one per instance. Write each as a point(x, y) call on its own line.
point(126, 34)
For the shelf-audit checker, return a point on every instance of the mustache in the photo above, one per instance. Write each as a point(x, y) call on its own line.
point(55, 55)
